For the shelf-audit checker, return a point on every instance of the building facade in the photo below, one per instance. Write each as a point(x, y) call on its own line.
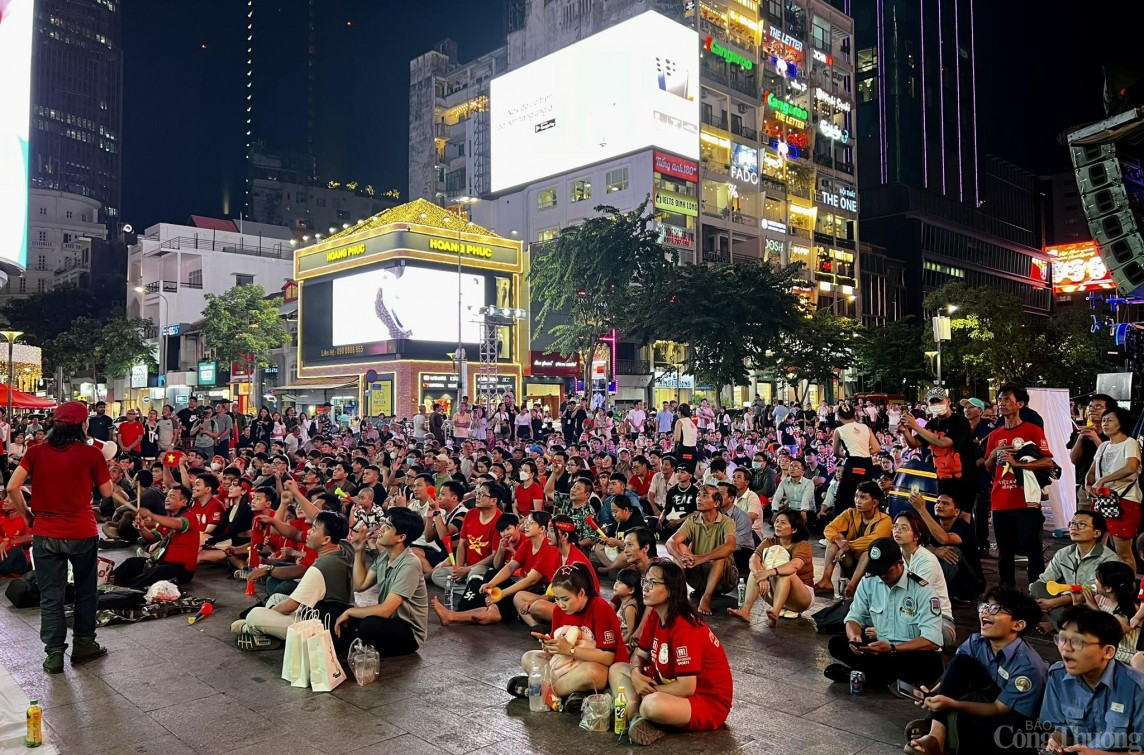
point(77, 102)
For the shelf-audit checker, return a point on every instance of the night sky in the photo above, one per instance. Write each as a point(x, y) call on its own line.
point(183, 117)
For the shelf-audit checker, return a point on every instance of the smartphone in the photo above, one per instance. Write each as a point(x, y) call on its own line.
point(864, 641)
point(909, 690)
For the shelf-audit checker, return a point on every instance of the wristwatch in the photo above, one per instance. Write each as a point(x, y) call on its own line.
point(893, 649)
point(572, 651)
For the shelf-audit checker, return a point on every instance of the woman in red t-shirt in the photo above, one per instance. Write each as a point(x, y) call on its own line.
point(529, 494)
point(579, 664)
point(679, 676)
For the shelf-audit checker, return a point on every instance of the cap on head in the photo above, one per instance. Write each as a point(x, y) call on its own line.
point(968, 402)
point(884, 553)
point(936, 394)
point(71, 413)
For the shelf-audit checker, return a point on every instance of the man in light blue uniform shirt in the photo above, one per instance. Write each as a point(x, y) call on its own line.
point(893, 629)
point(993, 683)
point(1091, 700)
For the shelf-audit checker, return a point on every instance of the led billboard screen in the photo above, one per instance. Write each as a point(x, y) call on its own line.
point(15, 102)
point(633, 86)
point(1078, 267)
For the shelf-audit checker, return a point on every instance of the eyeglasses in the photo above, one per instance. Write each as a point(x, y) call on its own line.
point(901, 528)
point(991, 609)
point(649, 583)
point(1074, 525)
point(1078, 644)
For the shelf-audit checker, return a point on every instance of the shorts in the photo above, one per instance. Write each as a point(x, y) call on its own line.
point(697, 577)
point(707, 714)
point(1126, 525)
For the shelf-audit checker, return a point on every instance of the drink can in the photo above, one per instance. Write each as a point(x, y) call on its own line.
point(857, 682)
point(843, 583)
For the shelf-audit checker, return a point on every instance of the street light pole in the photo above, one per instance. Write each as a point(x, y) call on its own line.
point(10, 336)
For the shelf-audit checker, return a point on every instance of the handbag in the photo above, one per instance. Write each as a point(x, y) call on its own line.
point(1106, 502)
point(295, 659)
point(832, 619)
point(326, 672)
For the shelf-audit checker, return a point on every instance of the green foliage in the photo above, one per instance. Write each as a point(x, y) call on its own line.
point(101, 349)
point(597, 274)
point(243, 324)
point(730, 315)
point(815, 351)
point(44, 316)
point(1069, 354)
point(893, 355)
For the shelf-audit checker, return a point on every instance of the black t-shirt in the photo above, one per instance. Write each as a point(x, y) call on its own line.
point(1088, 453)
point(153, 500)
point(99, 427)
point(187, 417)
point(679, 501)
point(149, 445)
point(968, 547)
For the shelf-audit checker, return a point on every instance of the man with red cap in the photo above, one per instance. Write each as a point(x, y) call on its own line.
point(63, 472)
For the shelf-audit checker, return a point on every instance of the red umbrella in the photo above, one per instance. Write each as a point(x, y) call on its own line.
point(21, 400)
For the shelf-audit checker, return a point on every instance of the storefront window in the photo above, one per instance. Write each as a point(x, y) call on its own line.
point(800, 180)
point(714, 152)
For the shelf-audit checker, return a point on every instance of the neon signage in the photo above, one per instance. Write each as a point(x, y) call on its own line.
point(1078, 267)
point(732, 57)
point(831, 131)
point(780, 36)
point(788, 151)
point(784, 67)
point(836, 102)
point(822, 57)
point(785, 108)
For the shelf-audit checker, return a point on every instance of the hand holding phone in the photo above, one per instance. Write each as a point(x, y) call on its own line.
point(908, 690)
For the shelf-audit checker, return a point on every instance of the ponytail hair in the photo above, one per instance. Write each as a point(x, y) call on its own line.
point(1121, 580)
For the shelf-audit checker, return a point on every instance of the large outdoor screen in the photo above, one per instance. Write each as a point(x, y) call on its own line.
point(15, 101)
point(632, 86)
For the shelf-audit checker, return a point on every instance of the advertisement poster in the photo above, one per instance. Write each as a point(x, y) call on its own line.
point(15, 117)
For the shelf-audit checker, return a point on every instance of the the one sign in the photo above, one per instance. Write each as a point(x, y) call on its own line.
point(839, 200)
point(139, 376)
point(208, 373)
point(676, 167)
point(677, 203)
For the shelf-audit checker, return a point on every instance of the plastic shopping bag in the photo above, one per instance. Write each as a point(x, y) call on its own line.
point(364, 661)
point(295, 661)
point(326, 672)
point(596, 715)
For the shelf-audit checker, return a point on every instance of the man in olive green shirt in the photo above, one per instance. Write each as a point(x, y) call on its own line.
point(703, 545)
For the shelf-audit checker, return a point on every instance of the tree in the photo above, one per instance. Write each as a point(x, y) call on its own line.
point(242, 325)
point(815, 351)
point(892, 355)
point(91, 348)
point(1069, 354)
point(729, 315)
point(597, 275)
point(44, 316)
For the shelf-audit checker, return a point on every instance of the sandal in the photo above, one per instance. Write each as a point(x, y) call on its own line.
point(644, 732)
point(919, 727)
point(518, 686)
point(248, 642)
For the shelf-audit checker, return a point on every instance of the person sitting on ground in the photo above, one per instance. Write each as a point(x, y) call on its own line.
point(993, 683)
point(399, 622)
point(850, 534)
point(535, 558)
point(477, 542)
point(629, 594)
point(787, 584)
point(536, 608)
point(327, 582)
point(120, 529)
point(175, 542)
point(234, 530)
point(893, 628)
point(704, 545)
point(680, 502)
point(1115, 592)
point(253, 541)
point(579, 606)
point(15, 541)
point(749, 501)
point(1073, 565)
point(954, 542)
point(744, 535)
point(795, 491)
point(443, 522)
point(911, 536)
point(1090, 699)
point(690, 690)
point(626, 516)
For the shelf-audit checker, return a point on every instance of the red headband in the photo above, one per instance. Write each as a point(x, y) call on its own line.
point(565, 526)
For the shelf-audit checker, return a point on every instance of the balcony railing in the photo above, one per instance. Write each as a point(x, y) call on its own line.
point(744, 131)
point(192, 284)
point(272, 248)
point(633, 367)
point(718, 121)
point(746, 86)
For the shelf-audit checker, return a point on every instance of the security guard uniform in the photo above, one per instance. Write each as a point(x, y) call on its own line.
point(1109, 717)
point(905, 611)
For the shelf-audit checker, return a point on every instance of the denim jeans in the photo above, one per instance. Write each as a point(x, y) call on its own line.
point(51, 557)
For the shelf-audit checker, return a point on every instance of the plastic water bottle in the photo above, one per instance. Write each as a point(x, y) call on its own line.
point(449, 592)
point(535, 691)
point(35, 715)
point(742, 592)
point(620, 709)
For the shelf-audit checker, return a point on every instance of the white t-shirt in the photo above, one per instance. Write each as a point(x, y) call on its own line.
point(636, 418)
point(419, 426)
point(311, 588)
point(1112, 457)
point(925, 564)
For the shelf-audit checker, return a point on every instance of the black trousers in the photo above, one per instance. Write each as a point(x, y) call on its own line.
point(856, 469)
point(918, 667)
point(981, 510)
point(390, 637)
point(136, 574)
point(967, 680)
point(1019, 531)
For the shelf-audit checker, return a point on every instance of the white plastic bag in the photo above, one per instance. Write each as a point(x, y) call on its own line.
point(162, 592)
point(296, 660)
point(326, 672)
point(364, 661)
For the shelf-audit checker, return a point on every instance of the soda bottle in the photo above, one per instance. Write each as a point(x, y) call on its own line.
point(742, 592)
point(35, 736)
point(621, 711)
point(449, 591)
point(535, 689)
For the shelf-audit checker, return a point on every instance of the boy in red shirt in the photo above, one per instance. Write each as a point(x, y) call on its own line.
point(15, 540)
point(179, 531)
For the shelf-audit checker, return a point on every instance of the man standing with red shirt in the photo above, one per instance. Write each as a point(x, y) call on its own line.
point(64, 470)
point(1016, 524)
point(131, 434)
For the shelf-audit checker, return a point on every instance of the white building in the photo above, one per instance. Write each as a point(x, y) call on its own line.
point(174, 267)
point(60, 229)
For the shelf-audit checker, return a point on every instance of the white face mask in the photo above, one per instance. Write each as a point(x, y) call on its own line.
point(936, 410)
point(216, 467)
point(524, 476)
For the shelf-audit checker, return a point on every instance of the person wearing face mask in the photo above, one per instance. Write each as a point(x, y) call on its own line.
point(954, 451)
point(529, 495)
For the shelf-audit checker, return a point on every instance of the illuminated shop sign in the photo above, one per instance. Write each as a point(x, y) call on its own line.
point(677, 203)
point(1078, 267)
point(672, 236)
point(774, 246)
point(784, 67)
point(676, 167)
point(786, 150)
point(836, 102)
point(797, 86)
point(839, 200)
point(745, 164)
point(783, 107)
point(831, 131)
point(822, 57)
point(712, 46)
point(781, 36)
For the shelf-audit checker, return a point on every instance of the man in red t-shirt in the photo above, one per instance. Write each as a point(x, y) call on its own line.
point(537, 607)
point(176, 536)
point(130, 434)
point(1017, 523)
point(63, 473)
point(206, 507)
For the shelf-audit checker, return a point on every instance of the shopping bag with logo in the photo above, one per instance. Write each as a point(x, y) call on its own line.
point(326, 672)
point(103, 570)
point(295, 660)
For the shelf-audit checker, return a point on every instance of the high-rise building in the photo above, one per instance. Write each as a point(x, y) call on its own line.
point(767, 170)
point(77, 101)
point(928, 197)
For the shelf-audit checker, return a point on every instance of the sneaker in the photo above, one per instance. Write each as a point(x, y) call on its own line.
point(86, 650)
point(836, 672)
point(644, 732)
point(518, 686)
point(249, 642)
point(573, 704)
point(54, 663)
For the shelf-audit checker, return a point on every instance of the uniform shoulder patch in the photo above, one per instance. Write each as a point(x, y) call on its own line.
point(1023, 683)
point(918, 579)
point(935, 606)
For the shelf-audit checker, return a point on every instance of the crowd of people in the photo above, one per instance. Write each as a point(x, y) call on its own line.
point(518, 516)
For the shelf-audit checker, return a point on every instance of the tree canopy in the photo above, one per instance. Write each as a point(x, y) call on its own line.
point(101, 349)
point(815, 351)
point(243, 325)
